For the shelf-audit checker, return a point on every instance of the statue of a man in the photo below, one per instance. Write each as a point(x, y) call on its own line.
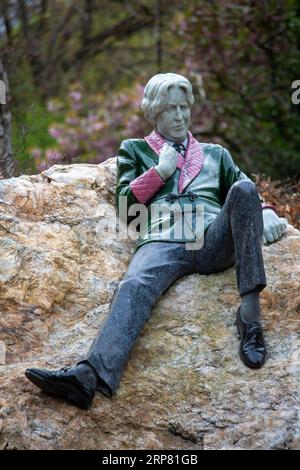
point(166, 166)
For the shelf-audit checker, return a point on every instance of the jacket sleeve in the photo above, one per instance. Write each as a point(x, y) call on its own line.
point(230, 174)
point(135, 187)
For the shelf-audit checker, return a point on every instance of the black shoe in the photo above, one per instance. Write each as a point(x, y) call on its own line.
point(75, 384)
point(253, 350)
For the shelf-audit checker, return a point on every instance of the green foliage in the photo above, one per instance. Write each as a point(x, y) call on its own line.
point(241, 57)
point(30, 130)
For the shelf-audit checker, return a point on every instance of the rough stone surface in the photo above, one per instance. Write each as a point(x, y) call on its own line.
point(185, 386)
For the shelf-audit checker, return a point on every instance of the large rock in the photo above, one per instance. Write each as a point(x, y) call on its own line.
point(185, 386)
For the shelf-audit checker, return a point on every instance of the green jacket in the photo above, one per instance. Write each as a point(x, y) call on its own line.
point(207, 170)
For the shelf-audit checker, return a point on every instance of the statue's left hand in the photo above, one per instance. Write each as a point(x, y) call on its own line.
point(274, 226)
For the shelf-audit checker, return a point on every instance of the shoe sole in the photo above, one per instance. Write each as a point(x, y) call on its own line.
point(61, 390)
point(248, 364)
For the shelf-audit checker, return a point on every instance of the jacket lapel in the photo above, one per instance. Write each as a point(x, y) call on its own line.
point(193, 163)
point(156, 142)
point(190, 165)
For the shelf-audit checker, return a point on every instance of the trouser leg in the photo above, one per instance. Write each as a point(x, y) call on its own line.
point(153, 268)
point(236, 236)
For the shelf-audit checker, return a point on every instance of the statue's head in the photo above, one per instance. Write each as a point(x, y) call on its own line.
point(167, 100)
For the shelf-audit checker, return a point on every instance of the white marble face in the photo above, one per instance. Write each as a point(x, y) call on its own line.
point(173, 123)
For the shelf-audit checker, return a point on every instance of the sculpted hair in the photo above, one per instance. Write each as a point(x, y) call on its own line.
point(156, 93)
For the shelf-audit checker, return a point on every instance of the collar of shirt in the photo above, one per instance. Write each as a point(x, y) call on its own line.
point(184, 142)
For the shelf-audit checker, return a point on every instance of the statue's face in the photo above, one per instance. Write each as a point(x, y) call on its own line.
point(173, 123)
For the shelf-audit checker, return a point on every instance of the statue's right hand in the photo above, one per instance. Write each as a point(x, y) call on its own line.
point(167, 161)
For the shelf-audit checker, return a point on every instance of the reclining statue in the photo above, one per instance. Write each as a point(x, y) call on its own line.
point(170, 166)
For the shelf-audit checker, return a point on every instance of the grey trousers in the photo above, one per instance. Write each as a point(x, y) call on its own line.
point(235, 236)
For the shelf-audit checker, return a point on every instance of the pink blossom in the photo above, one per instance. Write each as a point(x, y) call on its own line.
point(36, 152)
point(55, 132)
point(42, 166)
point(75, 95)
point(55, 156)
point(71, 120)
point(77, 106)
point(63, 141)
point(97, 126)
point(53, 106)
point(92, 117)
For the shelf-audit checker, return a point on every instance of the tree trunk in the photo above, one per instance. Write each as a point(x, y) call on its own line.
point(7, 161)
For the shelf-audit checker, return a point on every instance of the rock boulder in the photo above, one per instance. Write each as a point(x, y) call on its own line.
point(185, 386)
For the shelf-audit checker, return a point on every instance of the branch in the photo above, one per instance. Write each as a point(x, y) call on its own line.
point(65, 20)
point(96, 44)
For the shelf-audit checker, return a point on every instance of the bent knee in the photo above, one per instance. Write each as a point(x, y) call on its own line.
point(244, 186)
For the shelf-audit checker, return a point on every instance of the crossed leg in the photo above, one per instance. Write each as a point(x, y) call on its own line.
point(235, 236)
